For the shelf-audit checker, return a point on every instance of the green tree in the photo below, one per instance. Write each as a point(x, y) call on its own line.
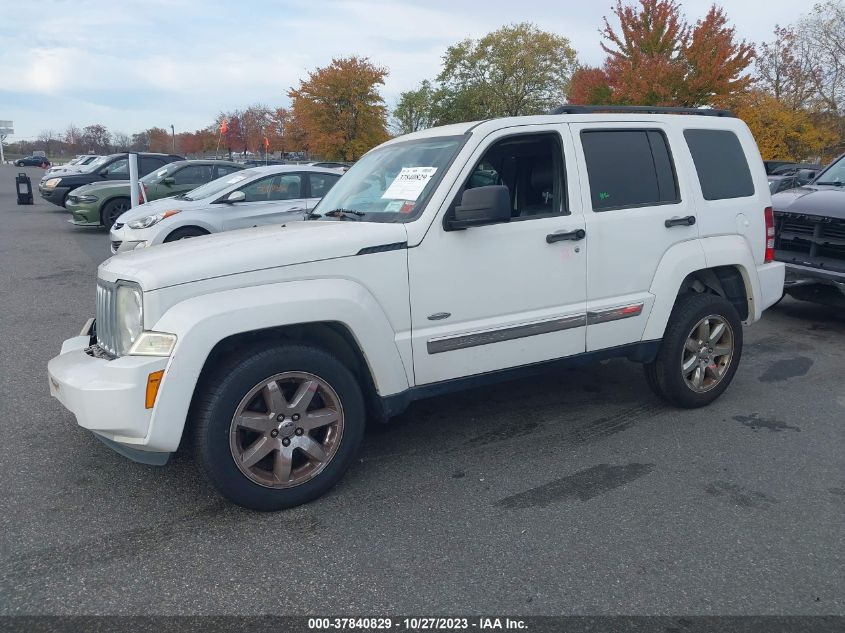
point(414, 109)
point(515, 70)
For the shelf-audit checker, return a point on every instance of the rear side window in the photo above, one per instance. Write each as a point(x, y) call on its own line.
point(629, 169)
point(720, 163)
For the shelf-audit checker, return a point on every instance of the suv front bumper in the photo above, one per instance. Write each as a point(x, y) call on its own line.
point(108, 397)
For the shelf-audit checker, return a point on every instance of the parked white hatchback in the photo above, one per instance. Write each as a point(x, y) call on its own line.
point(253, 197)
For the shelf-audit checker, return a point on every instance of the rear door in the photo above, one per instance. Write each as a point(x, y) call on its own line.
point(269, 200)
point(636, 209)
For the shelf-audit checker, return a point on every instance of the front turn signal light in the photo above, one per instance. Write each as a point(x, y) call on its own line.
point(153, 383)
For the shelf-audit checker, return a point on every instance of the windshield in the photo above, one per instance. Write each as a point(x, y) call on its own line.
point(216, 186)
point(833, 175)
point(392, 183)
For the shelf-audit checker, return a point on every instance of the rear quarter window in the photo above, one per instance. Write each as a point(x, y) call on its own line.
point(720, 163)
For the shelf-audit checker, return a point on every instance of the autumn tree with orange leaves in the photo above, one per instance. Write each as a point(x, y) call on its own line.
point(338, 109)
point(655, 57)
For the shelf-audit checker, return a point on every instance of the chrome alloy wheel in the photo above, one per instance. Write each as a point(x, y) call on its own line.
point(286, 429)
point(707, 354)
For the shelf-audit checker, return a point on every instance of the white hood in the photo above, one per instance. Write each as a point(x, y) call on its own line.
point(247, 250)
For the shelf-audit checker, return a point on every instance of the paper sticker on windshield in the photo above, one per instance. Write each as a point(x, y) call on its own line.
point(409, 183)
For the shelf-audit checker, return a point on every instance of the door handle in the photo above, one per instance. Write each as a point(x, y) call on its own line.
point(297, 209)
point(685, 221)
point(578, 234)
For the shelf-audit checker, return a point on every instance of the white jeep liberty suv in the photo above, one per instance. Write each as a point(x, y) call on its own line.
point(443, 259)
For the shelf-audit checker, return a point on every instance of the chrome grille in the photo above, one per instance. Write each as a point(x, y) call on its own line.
point(106, 317)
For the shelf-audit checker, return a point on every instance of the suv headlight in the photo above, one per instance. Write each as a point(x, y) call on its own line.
point(129, 307)
point(150, 220)
point(153, 344)
point(53, 182)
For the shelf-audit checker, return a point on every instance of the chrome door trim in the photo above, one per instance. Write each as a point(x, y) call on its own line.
point(615, 313)
point(485, 337)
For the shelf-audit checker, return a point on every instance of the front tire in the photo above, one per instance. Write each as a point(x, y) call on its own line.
point(276, 427)
point(699, 353)
point(112, 210)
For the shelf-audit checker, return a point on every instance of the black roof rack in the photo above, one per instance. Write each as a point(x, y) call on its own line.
point(610, 109)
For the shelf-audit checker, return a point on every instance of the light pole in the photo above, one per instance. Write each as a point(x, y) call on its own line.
point(173, 135)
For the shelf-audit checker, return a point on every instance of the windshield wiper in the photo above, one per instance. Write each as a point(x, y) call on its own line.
point(310, 215)
point(344, 214)
point(835, 183)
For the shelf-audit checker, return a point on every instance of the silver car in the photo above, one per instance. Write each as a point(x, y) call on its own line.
point(260, 195)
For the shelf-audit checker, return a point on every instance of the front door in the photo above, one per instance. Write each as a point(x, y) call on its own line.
point(268, 200)
point(508, 294)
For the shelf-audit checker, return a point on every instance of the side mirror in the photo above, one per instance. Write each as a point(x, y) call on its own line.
point(169, 181)
point(236, 196)
point(481, 206)
point(803, 176)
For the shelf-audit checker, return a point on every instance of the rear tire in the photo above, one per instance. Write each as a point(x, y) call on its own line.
point(699, 353)
point(112, 210)
point(278, 426)
point(184, 233)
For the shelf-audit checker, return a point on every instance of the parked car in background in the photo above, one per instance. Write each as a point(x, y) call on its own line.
point(252, 197)
point(77, 164)
point(791, 176)
point(101, 203)
point(810, 237)
point(55, 189)
point(32, 161)
point(772, 165)
point(343, 167)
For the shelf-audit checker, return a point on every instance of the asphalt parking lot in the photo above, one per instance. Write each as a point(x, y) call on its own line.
point(575, 493)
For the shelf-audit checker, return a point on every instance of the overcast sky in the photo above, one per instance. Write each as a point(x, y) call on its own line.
point(134, 64)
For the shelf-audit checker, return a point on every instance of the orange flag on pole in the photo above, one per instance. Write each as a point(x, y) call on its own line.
point(266, 143)
point(224, 126)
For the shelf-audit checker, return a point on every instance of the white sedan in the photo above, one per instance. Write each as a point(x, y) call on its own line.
point(260, 195)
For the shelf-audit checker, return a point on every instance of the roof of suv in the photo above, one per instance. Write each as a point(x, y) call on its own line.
point(582, 114)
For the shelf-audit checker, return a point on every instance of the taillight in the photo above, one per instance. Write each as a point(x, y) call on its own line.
point(142, 193)
point(770, 235)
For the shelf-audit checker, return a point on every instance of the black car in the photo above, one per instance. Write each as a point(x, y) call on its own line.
point(792, 175)
point(32, 161)
point(55, 189)
point(810, 236)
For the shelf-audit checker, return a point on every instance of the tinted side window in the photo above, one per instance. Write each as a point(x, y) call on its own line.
point(193, 175)
point(225, 170)
point(147, 164)
point(321, 183)
point(720, 163)
point(629, 168)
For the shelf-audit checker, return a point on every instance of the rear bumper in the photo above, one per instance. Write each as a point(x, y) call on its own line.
point(107, 397)
point(771, 278)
